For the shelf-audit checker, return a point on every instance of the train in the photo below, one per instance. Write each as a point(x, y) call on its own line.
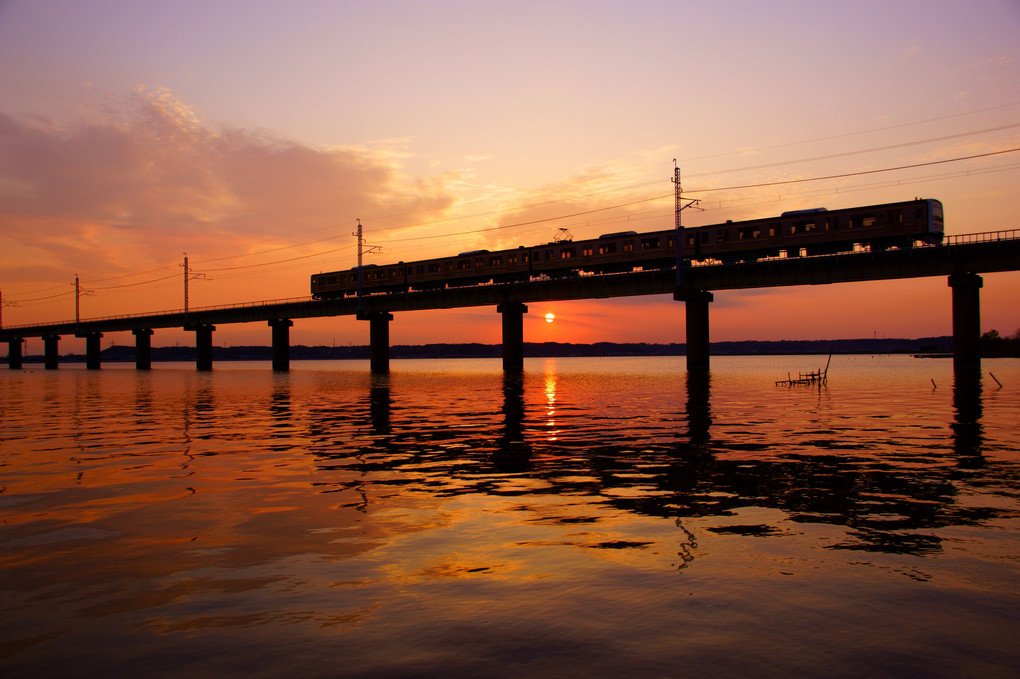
point(797, 233)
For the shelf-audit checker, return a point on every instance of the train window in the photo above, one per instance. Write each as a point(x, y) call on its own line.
point(860, 221)
point(433, 267)
point(628, 246)
point(463, 264)
point(495, 261)
point(586, 251)
point(772, 231)
point(722, 235)
point(330, 280)
point(607, 248)
point(895, 217)
point(749, 232)
point(568, 253)
point(704, 236)
point(649, 243)
point(690, 239)
point(511, 259)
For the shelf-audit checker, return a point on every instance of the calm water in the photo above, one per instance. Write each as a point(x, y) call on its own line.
point(597, 518)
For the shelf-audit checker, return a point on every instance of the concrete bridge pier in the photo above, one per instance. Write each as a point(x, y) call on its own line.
point(143, 348)
point(51, 355)
point(378, 339)
point(14, 352)
point(966, 320)
point(281, 343)
point(696, 303)
point(203, 345)
point(513, 335)
point(92, 348)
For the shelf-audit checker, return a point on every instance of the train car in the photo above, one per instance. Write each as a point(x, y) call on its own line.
point(796, 233)
point(609, 253)
point(818, 231)
point(369, 278)
point(469, 268)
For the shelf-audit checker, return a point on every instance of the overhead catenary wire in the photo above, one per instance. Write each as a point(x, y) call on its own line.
point(845, 135)
point(858, 173)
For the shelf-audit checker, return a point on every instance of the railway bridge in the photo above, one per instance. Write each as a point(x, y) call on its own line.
point(961, 258)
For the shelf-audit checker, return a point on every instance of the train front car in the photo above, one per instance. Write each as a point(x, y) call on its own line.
point(936, 227)
point(895, 225)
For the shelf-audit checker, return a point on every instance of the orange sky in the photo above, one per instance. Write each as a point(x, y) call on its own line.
point(253, 135)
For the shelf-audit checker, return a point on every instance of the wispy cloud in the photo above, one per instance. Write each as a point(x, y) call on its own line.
point(149, 179)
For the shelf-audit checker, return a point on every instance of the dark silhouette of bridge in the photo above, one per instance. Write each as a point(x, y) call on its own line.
point(961, 258)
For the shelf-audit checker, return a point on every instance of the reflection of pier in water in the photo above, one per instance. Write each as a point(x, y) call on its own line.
point(887, 500)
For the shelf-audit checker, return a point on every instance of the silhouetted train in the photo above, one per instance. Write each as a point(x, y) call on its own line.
point(792, 234)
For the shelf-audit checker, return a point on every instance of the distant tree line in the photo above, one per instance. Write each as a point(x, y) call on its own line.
point(993, 344)
point(942, 345)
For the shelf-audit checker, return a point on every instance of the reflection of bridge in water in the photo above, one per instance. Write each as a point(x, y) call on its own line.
point(887, 500)
point(961, 258)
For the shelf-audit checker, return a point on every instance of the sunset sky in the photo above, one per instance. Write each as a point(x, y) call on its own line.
point(252, 136)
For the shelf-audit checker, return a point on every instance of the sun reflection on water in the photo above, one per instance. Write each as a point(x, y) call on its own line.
point(550, 401)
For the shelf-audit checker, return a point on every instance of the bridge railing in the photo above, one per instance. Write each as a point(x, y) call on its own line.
point(986, 237)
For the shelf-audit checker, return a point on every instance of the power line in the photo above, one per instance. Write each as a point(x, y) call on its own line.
point(858, 133)
point(859, 173)
point(858, 152)
point(281, 261)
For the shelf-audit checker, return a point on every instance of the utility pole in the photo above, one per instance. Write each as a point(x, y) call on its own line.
point(2, 305)
point(78, 292)
point(188, 276)
point(362, 250)
point(679, 207)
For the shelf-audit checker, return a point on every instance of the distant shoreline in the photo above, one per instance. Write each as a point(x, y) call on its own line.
point(926, 346)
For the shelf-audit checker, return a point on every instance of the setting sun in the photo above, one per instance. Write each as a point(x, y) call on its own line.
point(549, 318)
